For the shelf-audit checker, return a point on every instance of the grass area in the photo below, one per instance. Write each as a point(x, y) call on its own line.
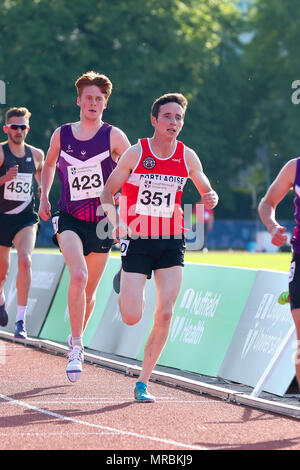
point(277, 261)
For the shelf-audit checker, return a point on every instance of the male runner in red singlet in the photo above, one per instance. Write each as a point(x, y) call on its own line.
point(287, 179)
point(84, 153)
point(152, 175)
point(18, 220)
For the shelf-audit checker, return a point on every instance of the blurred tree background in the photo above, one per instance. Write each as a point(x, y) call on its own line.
point(234, 60)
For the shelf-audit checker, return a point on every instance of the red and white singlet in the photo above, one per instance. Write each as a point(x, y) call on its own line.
point(151, 197)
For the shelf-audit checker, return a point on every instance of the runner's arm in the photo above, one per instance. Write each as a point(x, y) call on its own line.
point(276, 192)
point(47, 175)
point(114, 183)
point(11, 172)
point(38, 156)
point(209, 196)
point(119, 143)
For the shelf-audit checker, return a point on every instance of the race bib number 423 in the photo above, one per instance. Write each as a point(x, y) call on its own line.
point(19, 189)
point(85, 182)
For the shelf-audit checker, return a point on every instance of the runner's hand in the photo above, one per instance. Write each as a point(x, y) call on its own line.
point(11, 173)
point(44, 209)
point(121, 230)
point(278, 235)
point(210, 199)
point(117, 198)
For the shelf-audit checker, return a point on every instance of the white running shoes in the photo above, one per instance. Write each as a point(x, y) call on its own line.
point(74, 366)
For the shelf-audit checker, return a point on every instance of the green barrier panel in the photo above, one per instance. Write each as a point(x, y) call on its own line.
point(207, 312)
point(57, 325)
point(46, 273)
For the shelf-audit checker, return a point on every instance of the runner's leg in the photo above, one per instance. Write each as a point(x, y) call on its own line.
point(131, 297)
point(72, 251)
point(96, 263)
point(24, 242)
point(4, 265)
point(296, 317)
point(168, 283)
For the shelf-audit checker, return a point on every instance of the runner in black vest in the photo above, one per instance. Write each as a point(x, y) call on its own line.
point(19, 162)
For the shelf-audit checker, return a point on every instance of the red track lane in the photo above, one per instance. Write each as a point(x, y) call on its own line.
point(40, 409)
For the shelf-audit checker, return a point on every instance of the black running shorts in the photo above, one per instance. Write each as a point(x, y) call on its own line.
point(11, 224)
point(294, 282)
point(146, 255)
point(87, 232)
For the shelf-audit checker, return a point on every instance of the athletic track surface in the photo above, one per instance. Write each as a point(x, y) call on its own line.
point(41, 410)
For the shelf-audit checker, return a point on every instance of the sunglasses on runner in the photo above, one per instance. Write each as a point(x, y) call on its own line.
point(14, 127)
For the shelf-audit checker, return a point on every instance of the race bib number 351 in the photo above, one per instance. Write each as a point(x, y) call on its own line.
point(156, 198)
point(85, 182)
point(19, 189)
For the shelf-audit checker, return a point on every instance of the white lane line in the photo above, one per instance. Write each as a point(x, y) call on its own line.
point(63, 434)
point(92, 402)
point(98, 426)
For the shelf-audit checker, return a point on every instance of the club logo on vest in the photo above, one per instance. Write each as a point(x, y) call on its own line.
point(149, 163)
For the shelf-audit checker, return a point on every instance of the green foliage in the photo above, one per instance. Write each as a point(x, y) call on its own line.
point(271, 63)
point(239, 94)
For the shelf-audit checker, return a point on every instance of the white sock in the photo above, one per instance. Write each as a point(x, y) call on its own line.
point(2, 298)
point(21, 313)
point(77, 341)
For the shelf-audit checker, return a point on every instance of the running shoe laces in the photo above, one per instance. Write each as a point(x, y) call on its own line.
point(76, 355)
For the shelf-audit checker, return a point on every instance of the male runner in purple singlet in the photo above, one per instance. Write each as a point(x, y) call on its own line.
point(84, 153)
point(288, 178)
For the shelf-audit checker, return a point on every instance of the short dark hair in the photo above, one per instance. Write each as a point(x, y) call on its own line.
point(168, 98)
point(17, 112)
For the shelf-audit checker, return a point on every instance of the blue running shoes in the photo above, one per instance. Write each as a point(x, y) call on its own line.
point(3, 316)
point(141, 394)
point(20, 331)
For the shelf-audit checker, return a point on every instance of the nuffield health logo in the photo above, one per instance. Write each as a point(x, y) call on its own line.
point(2, 92)
point(195, 310)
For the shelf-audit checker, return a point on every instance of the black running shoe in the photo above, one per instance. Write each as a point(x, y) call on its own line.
point(3, 316)
point(117, 281)
point(20, 331)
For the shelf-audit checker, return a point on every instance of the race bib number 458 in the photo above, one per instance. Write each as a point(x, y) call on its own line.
point(85, 182)
point(18, 189)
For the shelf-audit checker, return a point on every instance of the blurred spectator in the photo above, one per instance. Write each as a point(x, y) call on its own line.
point(205, 217)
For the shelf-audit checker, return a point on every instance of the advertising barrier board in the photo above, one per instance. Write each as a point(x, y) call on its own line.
point(114, 336)
point(207, 312)
point(57, 324)
point(46, 273)
point(260, 333)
